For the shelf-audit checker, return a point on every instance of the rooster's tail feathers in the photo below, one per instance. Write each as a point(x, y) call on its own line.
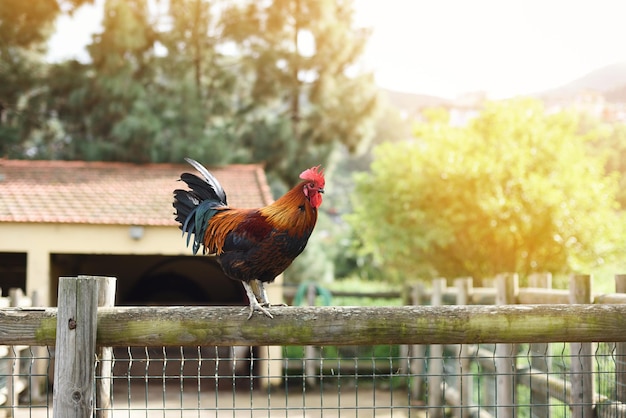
point(195, 207)
point(209, 179)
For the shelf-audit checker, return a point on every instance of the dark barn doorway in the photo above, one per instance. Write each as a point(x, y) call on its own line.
point(12, 271)
point(147, 280)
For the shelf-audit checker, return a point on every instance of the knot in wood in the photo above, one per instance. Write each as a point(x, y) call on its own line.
point(77, 396)
point(71, 323)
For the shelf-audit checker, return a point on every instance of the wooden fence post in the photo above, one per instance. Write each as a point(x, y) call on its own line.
point(435, 361)
point(581, 400)
point(12, 382)
point(75, 347)
point(463, 287)
point(540, 358)
point(38, 379)
point(106, 298)
point(620, 349)
point(418, 352)
point(311, 353)
point(405, 349)
point(506, 365)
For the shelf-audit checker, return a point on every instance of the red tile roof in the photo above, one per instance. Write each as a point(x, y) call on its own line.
point(111, 193)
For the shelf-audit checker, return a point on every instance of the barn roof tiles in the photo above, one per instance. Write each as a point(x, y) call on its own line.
point(111, 193)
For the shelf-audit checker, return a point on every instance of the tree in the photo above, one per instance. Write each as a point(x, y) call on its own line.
point(229, 84)
point(298, 98)
point(107, 113)
point(612, 145)
point(153, 91)
point(196, 86)
point(515, 190)
point(24, 29)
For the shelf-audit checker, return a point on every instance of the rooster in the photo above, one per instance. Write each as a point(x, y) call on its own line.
point(252, 245)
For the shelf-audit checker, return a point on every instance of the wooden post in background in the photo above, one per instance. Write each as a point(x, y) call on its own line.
point(620, 349)
point(506, 365)
point(435, 360)
point(581, 400)
point(540, 356)
point(418, 352)
point(463, 286)
point(13, 388)
point(311, 353)
point(38, 384)
point(104, 355)
point(75, 347)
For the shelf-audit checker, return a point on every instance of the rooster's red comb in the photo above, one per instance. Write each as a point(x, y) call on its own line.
point(315, 174)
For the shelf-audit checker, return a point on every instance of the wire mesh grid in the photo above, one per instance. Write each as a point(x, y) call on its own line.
point(504, 380)
point(362, 381)
point(25, 381)
point(242, 381)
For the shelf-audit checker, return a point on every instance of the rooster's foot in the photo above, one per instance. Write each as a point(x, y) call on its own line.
point(272, 305)
point(254, 303)
point(256, 307)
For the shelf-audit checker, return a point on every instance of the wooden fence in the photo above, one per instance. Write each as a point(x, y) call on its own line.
point(578, 391)
point(12, 388)
point(506, 291)
point(80, 331)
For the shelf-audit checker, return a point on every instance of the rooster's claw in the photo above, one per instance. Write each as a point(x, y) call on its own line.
point(257, 307)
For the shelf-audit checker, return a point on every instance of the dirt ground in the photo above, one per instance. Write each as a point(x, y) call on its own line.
point(291, 402)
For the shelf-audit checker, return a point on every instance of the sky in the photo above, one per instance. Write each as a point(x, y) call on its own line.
point(450, 47)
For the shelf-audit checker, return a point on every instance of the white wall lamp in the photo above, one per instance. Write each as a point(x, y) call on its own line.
point(136, 232)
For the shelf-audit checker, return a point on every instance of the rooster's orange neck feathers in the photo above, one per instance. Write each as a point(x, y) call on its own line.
point(292, 211)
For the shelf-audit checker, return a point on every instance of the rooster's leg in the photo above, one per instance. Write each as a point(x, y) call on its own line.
point(263, 296)
point(259, 291)
point(254, 303)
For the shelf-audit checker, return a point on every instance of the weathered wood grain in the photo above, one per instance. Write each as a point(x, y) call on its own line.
point(507, 288)
point(104, 365)
point(620, 349)
point(174, 326)
point(581, 378)
point(73, 366)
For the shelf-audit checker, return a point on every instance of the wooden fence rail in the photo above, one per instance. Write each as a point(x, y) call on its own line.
point(507, 377)
point(579, 322)
point(227, 326)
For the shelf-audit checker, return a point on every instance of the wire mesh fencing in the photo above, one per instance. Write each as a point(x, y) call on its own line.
point(25, 373)
point(359, 381)
point(330, 381)
point(405, 361)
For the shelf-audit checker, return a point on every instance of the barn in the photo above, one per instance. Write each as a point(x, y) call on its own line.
point(66, 218)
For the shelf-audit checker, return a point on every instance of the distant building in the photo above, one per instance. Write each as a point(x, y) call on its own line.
point(66, 218)
point(590, 102)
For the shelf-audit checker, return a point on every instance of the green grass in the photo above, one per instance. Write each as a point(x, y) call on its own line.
point(357, 285)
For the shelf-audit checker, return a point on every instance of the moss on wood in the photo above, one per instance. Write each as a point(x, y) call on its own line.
point(175, 326)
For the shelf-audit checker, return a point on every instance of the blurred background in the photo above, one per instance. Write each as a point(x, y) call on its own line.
point(460, 138)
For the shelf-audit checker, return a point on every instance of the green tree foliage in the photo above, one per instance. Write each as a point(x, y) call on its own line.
point(24, 28)
point(295, 61)
point(270, 82)
point(108, 113)
point(612, 145)
point(515, 190)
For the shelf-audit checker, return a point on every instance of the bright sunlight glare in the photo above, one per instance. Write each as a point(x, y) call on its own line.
point(450, 47)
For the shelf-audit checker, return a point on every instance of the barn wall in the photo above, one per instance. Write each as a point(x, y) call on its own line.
point(54, 250)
